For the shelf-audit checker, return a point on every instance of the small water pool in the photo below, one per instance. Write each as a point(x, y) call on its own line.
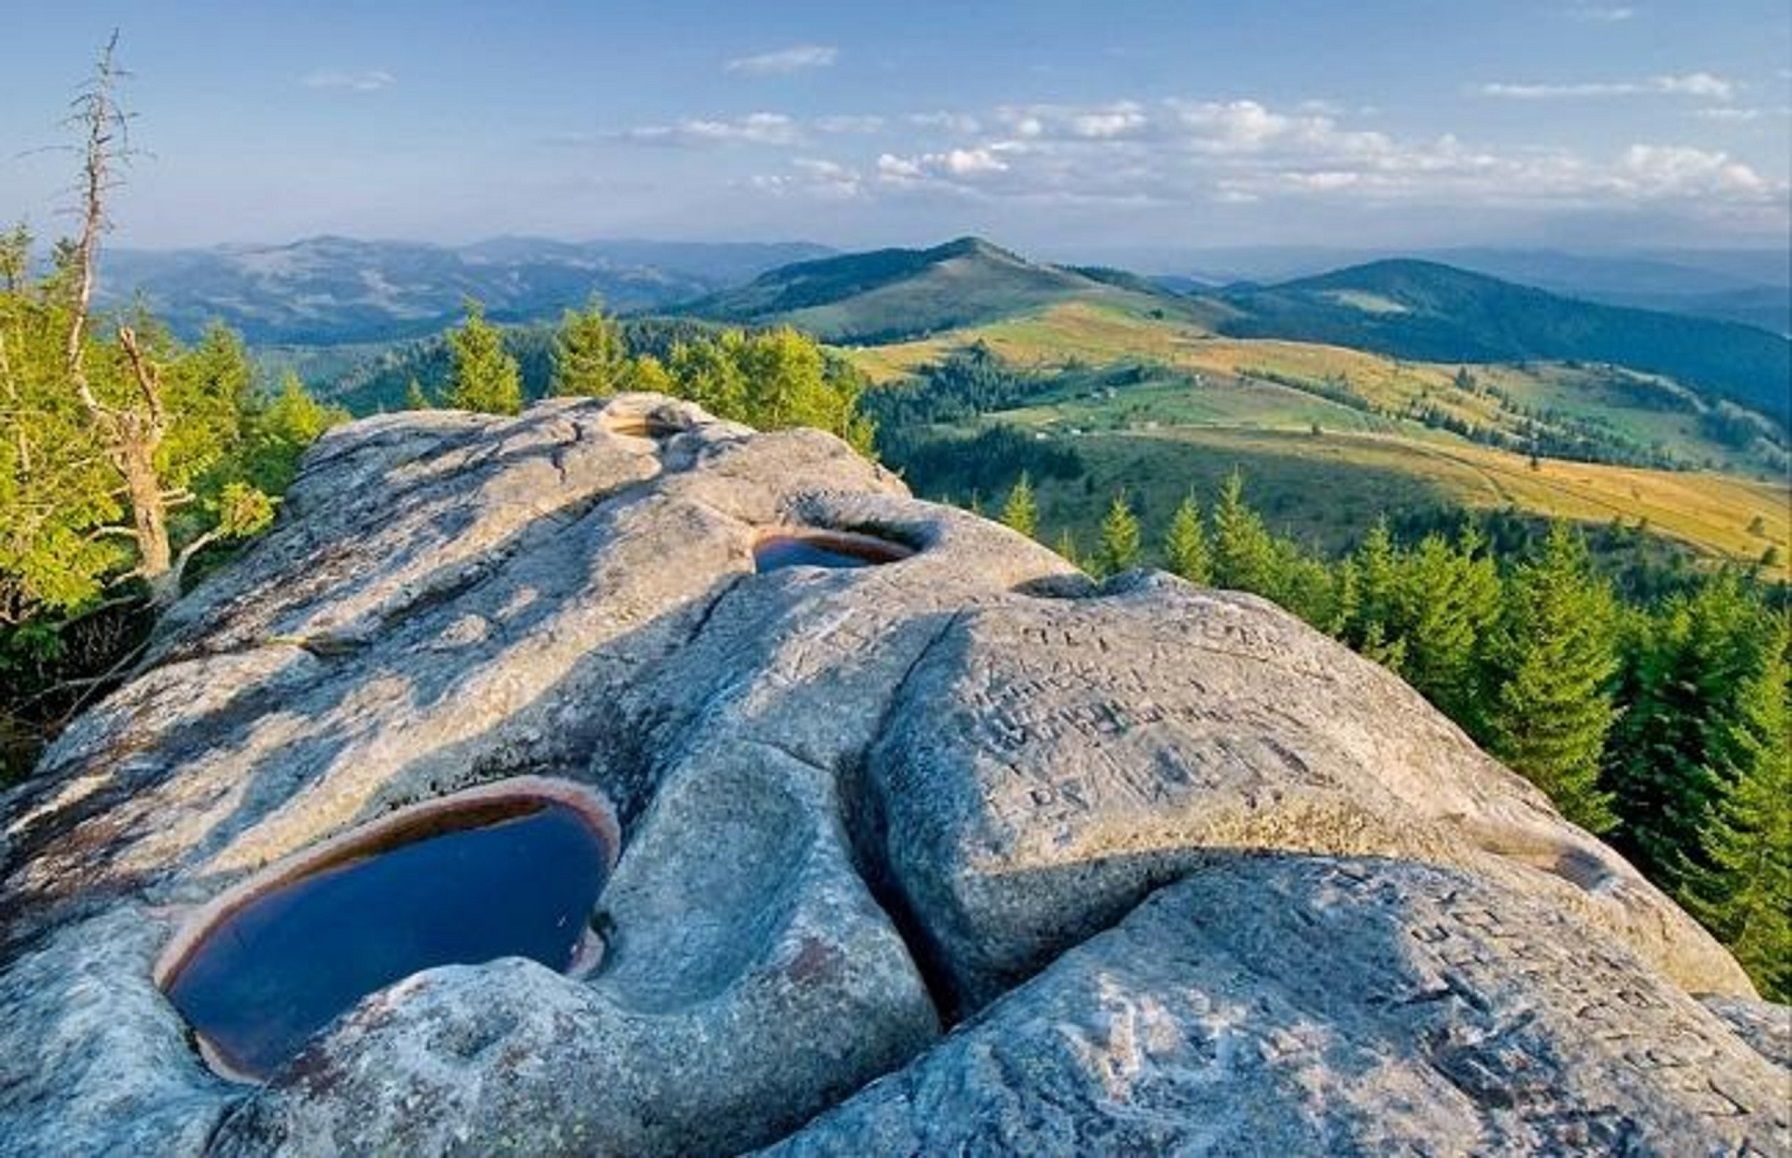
point(832, 549)
point(498, 872)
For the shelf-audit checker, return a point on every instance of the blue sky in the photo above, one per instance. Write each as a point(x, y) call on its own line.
point(1066, 129)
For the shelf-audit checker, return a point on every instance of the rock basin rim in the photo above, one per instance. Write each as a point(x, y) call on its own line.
point(469, 808)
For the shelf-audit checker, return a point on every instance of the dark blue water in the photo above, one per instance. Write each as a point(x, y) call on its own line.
point(280, 968)
point(791, 551)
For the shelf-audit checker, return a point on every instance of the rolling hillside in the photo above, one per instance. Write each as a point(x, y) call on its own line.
point(1332, 431)
point(894, 294)
point(1431, 312)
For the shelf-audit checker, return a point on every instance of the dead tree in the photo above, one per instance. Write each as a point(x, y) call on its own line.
point(130, 430)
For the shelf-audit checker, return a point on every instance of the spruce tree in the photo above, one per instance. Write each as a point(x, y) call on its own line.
point(280, 430)
point(1021, 511)
point(1303, 584)
point(646, 374)
point(1244, 555)
point(1745, 895)
point(1119, 548)
point(708, 372)
point(415, 398)
point(1447, 600)
point(1551, 664)
point(116, 444)
point(1671, 759)
point(589, 353)
point(1373, 599)
point(1185, 544)
point(483, 375)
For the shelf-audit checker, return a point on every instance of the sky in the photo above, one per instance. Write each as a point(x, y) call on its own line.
point(1066, 129)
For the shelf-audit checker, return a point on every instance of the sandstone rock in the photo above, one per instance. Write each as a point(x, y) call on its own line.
point(1046, 765)
point(1766, 1027)
point(855, 804)
point(748, 987)
point(1296, 1005)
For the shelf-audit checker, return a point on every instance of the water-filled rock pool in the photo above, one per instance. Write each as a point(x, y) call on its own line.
point(464, 880)
point(832, 549)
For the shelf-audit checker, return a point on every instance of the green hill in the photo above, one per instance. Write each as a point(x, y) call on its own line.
point(890, 295)
point(1430, 312)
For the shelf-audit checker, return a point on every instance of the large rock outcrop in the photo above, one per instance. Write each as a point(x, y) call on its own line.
point(1191, 875)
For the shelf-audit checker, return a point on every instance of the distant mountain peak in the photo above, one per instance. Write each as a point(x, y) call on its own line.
point(888, 294)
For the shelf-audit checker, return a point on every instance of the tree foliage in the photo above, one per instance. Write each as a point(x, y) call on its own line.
point(1120, 544)
point(1551, 661)
point(771, 379)
point(590, 356)
point(1186, 552)
point(1021, 511)
point(1743, 891)
point(483, 375)
point(1244, 554)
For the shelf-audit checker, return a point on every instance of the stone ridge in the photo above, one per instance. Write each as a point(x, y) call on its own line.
point(1182, 872)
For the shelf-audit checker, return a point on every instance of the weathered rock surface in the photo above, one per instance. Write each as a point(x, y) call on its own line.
point(1449, 1017)
point(856, 805)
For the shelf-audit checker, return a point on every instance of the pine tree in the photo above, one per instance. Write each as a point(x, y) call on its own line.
point(1304, 584)
point(1119, 547)
point(415, 398)
point(708, 372)
point(1670, 760)
point(1244, 554)
point(646, 374)
point(1551, 663)
point(1021, 511)
point(1377, 588)
point(279, 432)
point(1185, 544)
point(589, 353)
point(1745, 896)
point(1447, 600)
point(1369, 604)
point(484, 376)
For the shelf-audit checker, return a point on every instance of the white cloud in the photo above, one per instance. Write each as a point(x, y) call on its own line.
point(692, 132)
point(1696, 84)
point(815, 176)
point(1730, 113)
point(848, 123)
point(1182, 153)
point(961, 123)
point(793, 59)
point(966, 162)
point(1600, 13)
point(1671, 170)
point(899, 170)
point(1701, 85)
point(371, 80)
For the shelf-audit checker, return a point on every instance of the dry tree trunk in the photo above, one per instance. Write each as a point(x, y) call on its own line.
point(131, 433)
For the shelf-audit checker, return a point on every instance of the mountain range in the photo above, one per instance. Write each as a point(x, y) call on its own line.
point(331, 292)
point(337, 290)
point(1402, 308)
point(1431, 312)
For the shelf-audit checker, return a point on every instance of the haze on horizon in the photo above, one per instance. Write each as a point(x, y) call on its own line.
point(1074, 130)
